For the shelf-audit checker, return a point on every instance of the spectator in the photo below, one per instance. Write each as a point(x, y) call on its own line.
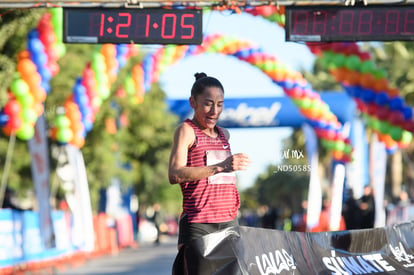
point(367, 207)
point(8, 200)
point(351, 212)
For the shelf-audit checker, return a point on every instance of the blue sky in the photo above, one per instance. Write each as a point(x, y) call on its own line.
point(242, 80)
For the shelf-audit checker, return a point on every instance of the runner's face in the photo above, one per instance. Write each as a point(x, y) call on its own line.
point(208, 107)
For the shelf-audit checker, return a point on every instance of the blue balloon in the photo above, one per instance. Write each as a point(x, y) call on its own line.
point(87, 124)
point(382, 99)
point(391, 151)
point(34, 45)
point(3, 119)
point(324, 125)
point(40, 59)
point(407, 112)
point(350, 90)
point(45, 85)
point(82, 100)
point(288, 84)
point(358, 92)
point(191, 49)
point(33, 34)
point(121, 50)
point(242, 53)
point(368, 96)
point(78, 90)
point(121, 61)
point(45, 73)
point(397, 103)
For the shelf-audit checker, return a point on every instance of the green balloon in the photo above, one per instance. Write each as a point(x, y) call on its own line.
point(60, 47)
point(328, 144)
point(64, 135)
point(395, 132)
point(62, 122)
point(339, 60)
point(19, 87)
point(380, 73)
point(376, 124)
point(339, 146)
point(26, 101)
point(129, 86)
point(307, 103)
point(406, 136)
point(353, 62)
point(367, 67)
point(29, 115)
point(347, 148)
point(25, 132)
point(103, 91)
point(384, 127)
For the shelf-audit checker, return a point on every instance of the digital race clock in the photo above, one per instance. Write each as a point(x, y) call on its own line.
point(140, 26)
point(353, 23)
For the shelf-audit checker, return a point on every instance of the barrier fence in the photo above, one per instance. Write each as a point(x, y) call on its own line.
point(245, 248)
point(21, 248)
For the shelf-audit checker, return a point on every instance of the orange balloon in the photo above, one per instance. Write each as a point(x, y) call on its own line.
point(39, 109)
point(7, 130)
point(380, 85)
point(307, 112)
point(33, 80)
point(366, 80)
point(39, 94)
point(340, 73)
point(26, 67)
point(77, 127)
point(78, 141)
point(337, 154)
point(393, 92)
point(73, 115)
point(108, 50)
point(25, 54)
point(352, 78)
point(53, 132)
point(111, 63)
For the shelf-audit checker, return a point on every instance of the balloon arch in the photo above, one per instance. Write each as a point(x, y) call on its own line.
point(384, 111)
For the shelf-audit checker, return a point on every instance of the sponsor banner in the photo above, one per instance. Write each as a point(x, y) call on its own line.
point(33, 248)
point(378, 161)
point(61, 225)
point(267, 111)
point(38, 148)
point(357, 170)
point(248, 250)
point(337, 194)
point(314, 209)
point(10, 237)
point(83, 236)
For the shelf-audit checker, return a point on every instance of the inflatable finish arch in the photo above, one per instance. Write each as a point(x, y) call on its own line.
point(309, 103)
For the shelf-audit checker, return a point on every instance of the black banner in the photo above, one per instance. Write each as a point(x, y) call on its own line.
point(250, 251)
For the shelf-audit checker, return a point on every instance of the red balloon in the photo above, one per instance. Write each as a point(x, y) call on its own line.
point(372, 109)
point(14, 122)
point(396, 118)
point(383, 113)
point(12, 108)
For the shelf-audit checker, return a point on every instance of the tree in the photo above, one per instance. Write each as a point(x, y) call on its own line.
point(146, 144)
point(14, 26)
point(282, 185)
point(137, 153)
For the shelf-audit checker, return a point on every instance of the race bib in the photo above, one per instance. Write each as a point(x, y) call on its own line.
point(214, 157)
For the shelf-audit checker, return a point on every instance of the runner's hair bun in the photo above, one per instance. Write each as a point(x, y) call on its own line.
point(199, 75)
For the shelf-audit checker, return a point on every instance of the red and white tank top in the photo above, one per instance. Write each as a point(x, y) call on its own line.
point(214, 199)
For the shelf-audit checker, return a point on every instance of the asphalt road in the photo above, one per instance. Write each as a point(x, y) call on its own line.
point(146, 259)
